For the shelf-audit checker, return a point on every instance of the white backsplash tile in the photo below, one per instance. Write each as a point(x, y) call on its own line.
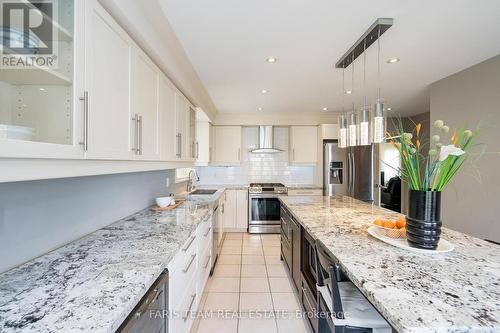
point(260, 167)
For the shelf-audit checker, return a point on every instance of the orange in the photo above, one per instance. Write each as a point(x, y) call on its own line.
point(379, 222)
point(403, 230)
point(401, 222)
point(389, 224)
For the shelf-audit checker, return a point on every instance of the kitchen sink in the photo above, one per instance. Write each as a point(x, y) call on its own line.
point(203, 191)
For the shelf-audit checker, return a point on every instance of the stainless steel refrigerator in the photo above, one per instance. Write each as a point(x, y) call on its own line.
point(350, 171)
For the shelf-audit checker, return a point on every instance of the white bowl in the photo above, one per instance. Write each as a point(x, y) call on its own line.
point(163, 201)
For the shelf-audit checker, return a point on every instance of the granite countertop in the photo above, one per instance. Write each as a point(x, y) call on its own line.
point(93, 283)
point(223, 186)
point(455, 292)
point(304, 187)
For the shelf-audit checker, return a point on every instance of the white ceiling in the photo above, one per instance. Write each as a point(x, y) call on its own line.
point(228, 41)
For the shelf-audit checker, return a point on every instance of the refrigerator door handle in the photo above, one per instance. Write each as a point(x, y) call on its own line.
point(349, 176)
point(354, 177)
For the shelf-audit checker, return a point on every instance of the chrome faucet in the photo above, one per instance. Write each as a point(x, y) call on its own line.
point(189, 186)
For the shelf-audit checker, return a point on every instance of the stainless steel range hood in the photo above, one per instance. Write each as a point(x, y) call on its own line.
point(266, 143)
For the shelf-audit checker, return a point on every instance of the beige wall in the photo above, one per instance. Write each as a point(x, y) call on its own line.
point(471, 205)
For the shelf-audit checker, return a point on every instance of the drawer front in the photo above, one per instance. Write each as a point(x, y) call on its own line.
point(184, 271)
point(204, 234)
point(204, 266)
point(183, 254)
point(295, 192)
point(181, 320)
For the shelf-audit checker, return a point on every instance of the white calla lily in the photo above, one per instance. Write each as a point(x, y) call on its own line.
point(449, 150)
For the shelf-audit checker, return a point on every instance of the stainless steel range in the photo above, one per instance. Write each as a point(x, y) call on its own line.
point(264, 207)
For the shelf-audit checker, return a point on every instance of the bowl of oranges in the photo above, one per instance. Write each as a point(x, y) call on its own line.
point(390, 228)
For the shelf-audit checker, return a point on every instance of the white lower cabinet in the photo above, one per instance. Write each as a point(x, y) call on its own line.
point(188, 273)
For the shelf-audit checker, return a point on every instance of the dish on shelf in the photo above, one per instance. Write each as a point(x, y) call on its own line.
point(443, 246)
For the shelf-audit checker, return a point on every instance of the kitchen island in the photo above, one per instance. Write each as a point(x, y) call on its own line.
point(418, 293)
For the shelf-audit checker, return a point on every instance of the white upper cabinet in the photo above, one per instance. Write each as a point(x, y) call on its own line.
point(168, 139)
point(145, 108)
point(304, 145)
point(204, 139)
point(108, 86)
point(40, 111)
point(227, 145)
point(329, 131)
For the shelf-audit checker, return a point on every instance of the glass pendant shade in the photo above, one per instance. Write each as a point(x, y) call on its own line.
point(342, 131)
point(364, 126)
point(352, 129)
point(378, 122)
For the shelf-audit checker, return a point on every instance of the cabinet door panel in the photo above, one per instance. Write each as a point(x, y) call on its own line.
point(242, 209)
point(180, 124)
point(230, 209)
point(227, 145)
point(168, 143)
point(304, 145)
point(145, 76)
point(108, 83)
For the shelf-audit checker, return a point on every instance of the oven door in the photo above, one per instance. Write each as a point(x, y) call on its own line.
point(264, 209)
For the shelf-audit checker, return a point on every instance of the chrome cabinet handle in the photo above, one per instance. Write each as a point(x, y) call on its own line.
point(185, 269)
point(190, 306)
point(293, 152)
point(180, 145)
point(136, 134)
point(140, 125)
point(189, 244)
point(85, 142)
point(210, 154)
point(197, 150)
point(208, 261)
point(208, 231)
point(307, 298)
point(239, 154)
point(178, 138)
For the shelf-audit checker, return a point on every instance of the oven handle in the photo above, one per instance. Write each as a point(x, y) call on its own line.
point(255, 196)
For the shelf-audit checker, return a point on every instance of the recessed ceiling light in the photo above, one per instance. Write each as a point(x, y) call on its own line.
point(325, 109)
point(42, 89)
point(389, 109)
point(271, 60)
point(260, 109)
point(264, 91)
point(393, 60)
point(348, 92)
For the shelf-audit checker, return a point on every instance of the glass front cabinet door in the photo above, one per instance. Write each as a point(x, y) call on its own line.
point(42, 104)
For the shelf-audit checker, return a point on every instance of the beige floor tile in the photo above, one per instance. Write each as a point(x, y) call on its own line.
point(227, 270)
point(228, 259)
point(251, 236)
point(250, 302)
point(233, 235)
point(252, 241)
point(250, 325)
point(222, 301)
point(276, 270)
point(280, 285)
point(272, 250)
point(224, 285)
point(214, 325)
point(292, 325)
point(271, 241)
point(273, 260)
point(253, 271)
point(285, 302)
point(231, 250)
point(254, 285)
point(252, 260)
point(232, 242)
point(270, 237)
point(252, 250)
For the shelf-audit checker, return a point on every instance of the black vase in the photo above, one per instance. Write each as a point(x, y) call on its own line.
point(423, 222)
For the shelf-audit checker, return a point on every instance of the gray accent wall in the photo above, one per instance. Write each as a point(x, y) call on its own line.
point(39, 216)
point(471, 202)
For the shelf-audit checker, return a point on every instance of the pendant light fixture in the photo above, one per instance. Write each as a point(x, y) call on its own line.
point(352, 117)
point(364, 112)
point(378, 110)
point(342, 118)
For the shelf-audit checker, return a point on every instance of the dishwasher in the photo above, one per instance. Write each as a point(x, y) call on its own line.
point(150, 314)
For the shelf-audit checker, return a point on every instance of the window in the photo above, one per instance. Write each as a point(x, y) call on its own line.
point(182, 174)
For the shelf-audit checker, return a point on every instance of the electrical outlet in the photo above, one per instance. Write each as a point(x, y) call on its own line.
point(167, 182)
